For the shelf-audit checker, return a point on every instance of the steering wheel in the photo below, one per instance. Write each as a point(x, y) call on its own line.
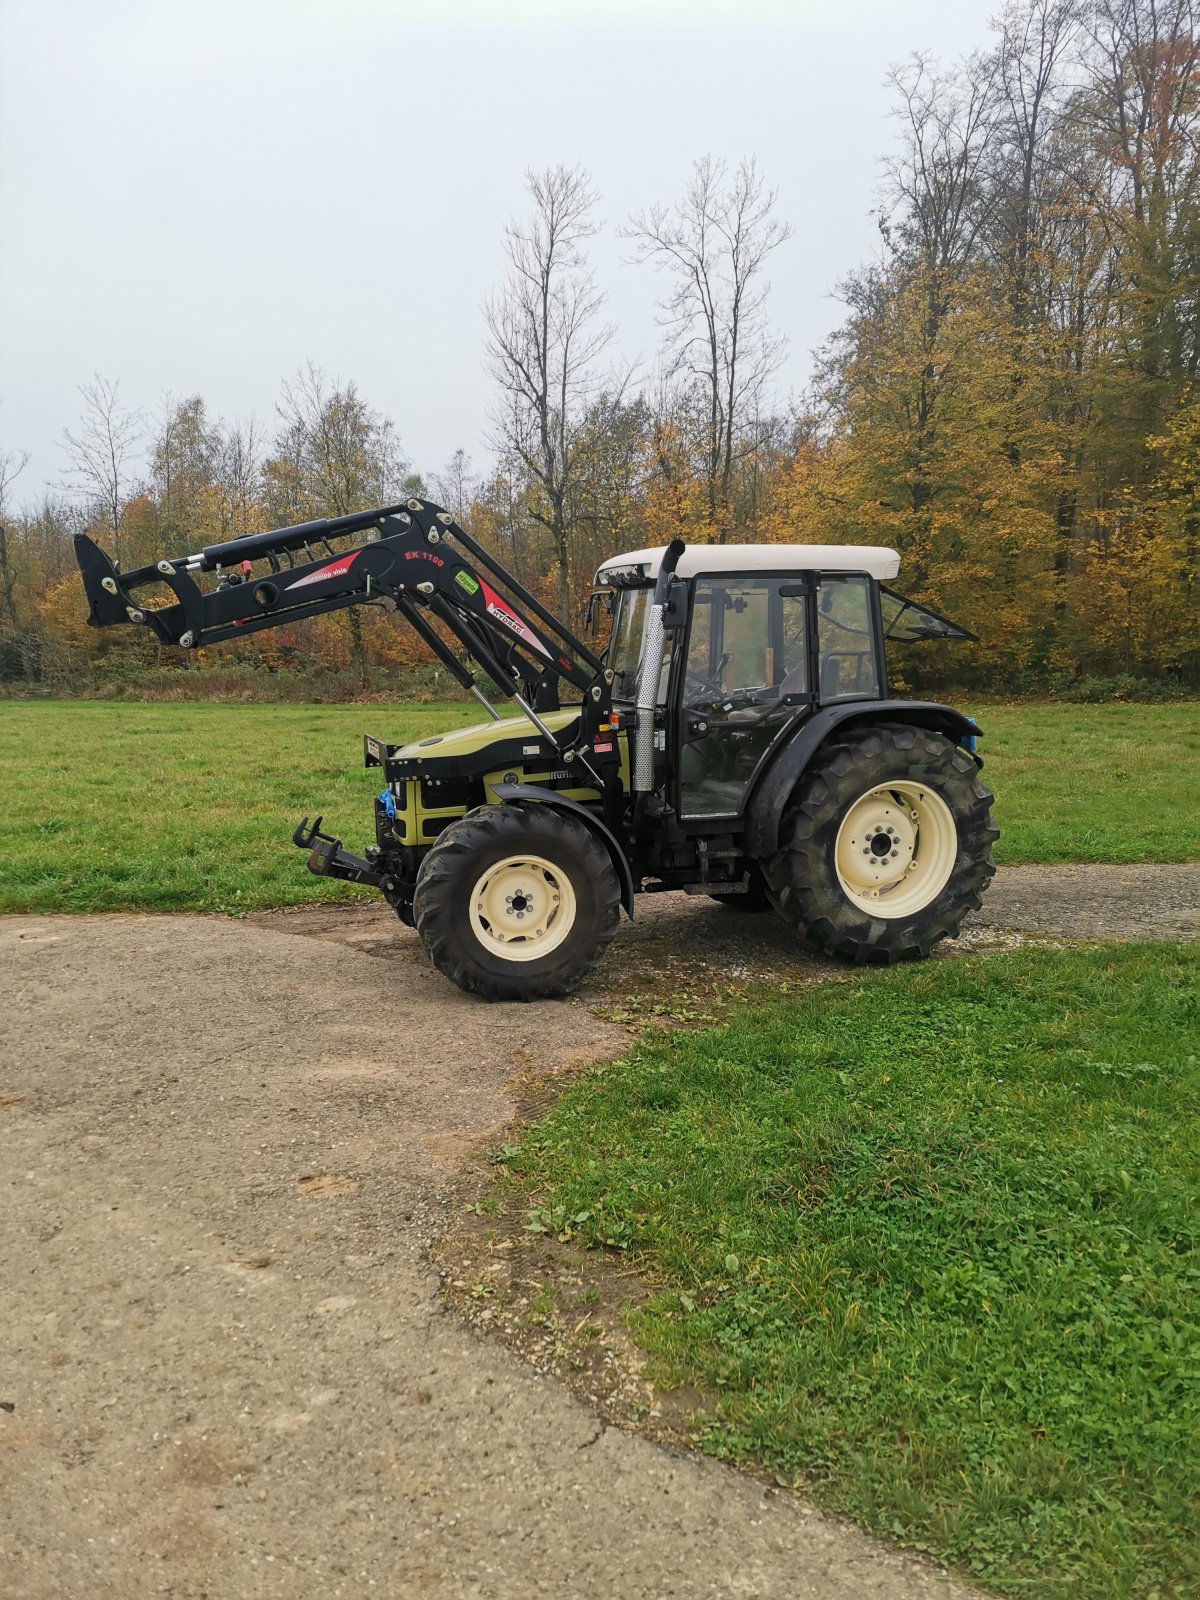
point(697, 685)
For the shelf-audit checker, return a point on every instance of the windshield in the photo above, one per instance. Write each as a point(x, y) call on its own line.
point(625, 647)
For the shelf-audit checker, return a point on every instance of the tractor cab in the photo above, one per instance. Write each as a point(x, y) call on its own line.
point(758, 637)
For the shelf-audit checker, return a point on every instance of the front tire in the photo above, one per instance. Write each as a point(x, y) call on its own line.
point(886, 847)
point(516, 902)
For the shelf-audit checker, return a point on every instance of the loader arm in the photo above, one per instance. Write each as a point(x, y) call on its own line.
point(412, 559)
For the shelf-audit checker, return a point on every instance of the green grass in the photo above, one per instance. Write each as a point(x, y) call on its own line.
point(190, 806)
point(183, 807)
point(928, 1240)
point(1094, 783)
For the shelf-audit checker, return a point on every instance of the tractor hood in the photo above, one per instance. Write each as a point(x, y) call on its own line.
point(466, 741)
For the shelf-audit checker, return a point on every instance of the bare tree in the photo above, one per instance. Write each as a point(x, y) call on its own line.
point(715, 243)
point(1035, 37)
point(1145, 103)
point(12, 464)
point(239, 474)
point(455, 485)
point(543, 345)
point(102, 449)
point(939, 176)
point(184, 461)
point(334, 454)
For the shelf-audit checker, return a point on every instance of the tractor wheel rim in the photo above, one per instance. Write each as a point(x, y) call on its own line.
point(522, 908)
point(896, 848)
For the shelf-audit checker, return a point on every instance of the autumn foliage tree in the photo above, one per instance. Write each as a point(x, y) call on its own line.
point(1011, 399)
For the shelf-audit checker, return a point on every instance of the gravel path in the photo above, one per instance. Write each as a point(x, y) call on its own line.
point(228, 1371)
point(692, 945)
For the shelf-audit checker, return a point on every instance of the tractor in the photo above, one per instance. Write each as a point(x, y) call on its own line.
point(735, 738)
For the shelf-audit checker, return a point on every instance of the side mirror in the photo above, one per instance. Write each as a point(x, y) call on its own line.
point(591, 610)
point(675, 606)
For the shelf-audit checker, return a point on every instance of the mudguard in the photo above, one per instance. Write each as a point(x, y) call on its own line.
point(770, 795)
point(522, 793)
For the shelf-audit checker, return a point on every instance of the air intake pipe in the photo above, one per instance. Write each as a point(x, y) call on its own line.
point(650, 671)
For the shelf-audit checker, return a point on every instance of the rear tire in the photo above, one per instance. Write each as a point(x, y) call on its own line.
point(516, 902)
point(886, 847)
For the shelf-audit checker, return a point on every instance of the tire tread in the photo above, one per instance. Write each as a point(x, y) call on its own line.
point(798, 876)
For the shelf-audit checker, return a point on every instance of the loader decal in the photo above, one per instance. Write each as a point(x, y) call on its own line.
point(503, 614)
point(333, 569)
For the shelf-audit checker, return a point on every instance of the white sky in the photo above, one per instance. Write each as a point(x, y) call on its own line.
point(199, 196)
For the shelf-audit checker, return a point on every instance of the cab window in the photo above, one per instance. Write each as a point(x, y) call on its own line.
point(846, 639)
point(747, 641)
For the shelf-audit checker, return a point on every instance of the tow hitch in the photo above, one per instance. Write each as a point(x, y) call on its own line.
point(328, 860)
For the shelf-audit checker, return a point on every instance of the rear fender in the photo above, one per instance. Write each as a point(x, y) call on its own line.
point(531, 793)
point(771, 794)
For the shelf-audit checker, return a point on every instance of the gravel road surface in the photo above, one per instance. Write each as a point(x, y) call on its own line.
point(227, 1371)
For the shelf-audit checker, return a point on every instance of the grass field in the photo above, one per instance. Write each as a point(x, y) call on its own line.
point(190, 806)
point(183, 807)
point(1094, 783)
point(927, 1242)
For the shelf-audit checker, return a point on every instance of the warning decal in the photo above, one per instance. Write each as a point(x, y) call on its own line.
point(508, 618)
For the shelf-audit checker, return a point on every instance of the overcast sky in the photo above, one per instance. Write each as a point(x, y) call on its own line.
point(199, 196)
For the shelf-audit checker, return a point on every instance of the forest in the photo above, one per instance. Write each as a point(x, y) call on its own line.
point(1009, 400)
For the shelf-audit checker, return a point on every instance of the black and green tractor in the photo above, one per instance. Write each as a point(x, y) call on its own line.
point(734, 739)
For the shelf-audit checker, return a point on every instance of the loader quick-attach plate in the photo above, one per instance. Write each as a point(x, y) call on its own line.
point(112, 600)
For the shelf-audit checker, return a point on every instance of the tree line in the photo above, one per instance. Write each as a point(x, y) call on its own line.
point(1010, 399)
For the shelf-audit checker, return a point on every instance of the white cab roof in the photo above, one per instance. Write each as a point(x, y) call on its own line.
point(750, 558)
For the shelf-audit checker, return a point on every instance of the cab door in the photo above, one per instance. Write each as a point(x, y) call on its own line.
point(745, 677)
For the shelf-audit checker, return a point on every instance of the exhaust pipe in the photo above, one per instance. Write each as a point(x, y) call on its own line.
point(650, 670)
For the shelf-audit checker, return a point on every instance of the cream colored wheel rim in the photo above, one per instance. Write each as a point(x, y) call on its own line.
point(522, 908)
point(896, 849)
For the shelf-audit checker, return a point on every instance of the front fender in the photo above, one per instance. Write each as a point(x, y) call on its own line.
point(770, 795)
point(525, 793)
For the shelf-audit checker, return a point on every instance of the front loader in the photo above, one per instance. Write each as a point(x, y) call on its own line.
point(735, 739)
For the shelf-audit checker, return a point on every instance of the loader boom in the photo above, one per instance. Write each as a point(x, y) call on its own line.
point(413, 560)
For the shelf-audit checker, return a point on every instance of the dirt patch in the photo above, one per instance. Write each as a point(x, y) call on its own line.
point(563, 1310)
point(326, 1183)
point(685, 958)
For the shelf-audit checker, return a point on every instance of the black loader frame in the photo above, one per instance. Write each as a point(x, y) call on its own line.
point(412, 562)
